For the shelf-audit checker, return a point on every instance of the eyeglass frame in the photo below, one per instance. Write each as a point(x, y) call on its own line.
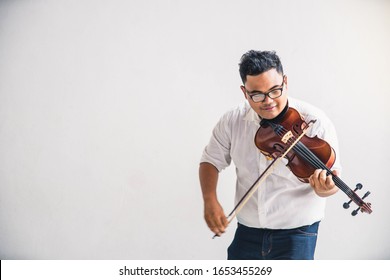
point(267, 93)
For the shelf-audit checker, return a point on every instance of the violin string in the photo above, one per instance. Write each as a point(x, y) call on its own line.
point(317, 163)
point(304, 151)
point(313, 159)
point(308, 155)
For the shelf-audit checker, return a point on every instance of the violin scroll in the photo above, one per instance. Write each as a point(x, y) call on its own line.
point(363, 206)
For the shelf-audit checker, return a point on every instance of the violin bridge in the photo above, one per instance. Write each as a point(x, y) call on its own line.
point(287, 136)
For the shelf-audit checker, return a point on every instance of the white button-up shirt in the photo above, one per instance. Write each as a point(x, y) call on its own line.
point(281, 201)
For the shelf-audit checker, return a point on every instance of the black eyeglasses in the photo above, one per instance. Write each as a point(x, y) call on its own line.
point(273, 93)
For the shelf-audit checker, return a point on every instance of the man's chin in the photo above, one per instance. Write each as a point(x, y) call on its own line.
point(269, 114)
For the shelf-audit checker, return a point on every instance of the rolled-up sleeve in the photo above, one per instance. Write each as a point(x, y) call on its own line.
point(217, 152)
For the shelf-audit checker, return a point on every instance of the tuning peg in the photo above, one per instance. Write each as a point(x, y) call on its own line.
point(356, 211)
point(365, 195)
point(346, 204)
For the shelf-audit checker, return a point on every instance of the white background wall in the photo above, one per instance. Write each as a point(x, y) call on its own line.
point(106, 106)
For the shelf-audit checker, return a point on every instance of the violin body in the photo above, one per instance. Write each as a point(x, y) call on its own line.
point(274, 138)
point(271, 144)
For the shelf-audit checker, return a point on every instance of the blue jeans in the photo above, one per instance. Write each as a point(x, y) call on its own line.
point(274, 244)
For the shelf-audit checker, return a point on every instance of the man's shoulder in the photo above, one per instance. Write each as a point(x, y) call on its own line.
point(307, 110)
point(237, 112)
point(311, 112)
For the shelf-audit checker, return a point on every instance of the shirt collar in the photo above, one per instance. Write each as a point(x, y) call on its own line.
point(251, 115)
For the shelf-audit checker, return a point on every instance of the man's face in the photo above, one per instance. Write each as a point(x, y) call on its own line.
point(264, 83)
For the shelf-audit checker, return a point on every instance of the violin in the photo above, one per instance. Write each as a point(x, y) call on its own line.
point(285, 137)
point(308, 154)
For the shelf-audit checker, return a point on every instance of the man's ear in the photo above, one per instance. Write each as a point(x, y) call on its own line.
point(243, 91)
point(285, 81)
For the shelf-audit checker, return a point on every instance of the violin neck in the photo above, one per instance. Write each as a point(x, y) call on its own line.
point(306, 154)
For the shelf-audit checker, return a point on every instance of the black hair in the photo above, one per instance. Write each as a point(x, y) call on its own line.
point(256, 62)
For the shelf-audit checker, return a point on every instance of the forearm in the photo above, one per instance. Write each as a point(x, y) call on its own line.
point(213, 212)
point(208, 177)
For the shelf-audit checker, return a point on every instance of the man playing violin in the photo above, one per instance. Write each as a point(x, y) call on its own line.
point(281, 219)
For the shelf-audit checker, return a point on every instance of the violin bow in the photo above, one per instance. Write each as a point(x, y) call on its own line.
point(262, 177)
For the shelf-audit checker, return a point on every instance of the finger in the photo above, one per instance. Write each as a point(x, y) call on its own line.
point(322, 177)
point(315, 178)
point(222, 223)
point(216, 224)
point(212, 226)
point(329, 182)
point(216, 231)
